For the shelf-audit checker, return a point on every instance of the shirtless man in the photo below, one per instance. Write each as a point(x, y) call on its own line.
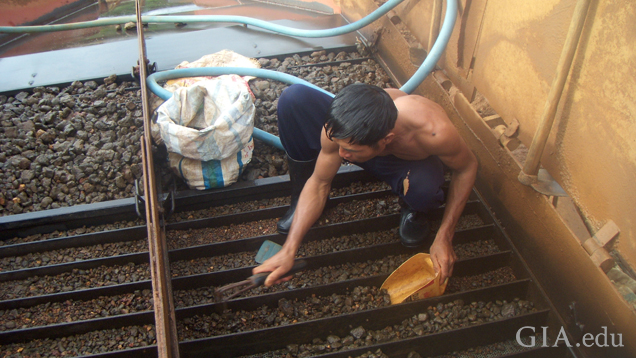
point(402, 139)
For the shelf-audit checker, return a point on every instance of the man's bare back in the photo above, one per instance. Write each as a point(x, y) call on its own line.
point(422, 129)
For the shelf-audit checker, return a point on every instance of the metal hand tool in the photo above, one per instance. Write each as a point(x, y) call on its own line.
point(253, 281)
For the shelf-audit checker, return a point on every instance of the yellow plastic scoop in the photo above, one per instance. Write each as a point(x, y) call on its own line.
point(415, 277)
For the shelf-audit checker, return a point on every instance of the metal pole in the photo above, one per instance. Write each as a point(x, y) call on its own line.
point(436, 17)
point(528, 175)
point(165, 322)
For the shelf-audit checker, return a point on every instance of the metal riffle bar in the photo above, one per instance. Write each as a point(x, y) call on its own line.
point(165, 324)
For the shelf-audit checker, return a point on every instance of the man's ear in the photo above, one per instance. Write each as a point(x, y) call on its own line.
point(388, 138)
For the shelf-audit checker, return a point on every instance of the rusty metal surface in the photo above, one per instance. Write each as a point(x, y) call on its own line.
point(590, 152)
point(552, 251)
point(554, 255)
point(165, 323)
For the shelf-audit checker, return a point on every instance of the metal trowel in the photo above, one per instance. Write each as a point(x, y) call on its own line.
point(251, 282)
point(415, 277)
point(267, 250)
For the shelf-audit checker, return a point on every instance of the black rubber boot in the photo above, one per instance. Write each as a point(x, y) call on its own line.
point(299, 172)
point(414, 228)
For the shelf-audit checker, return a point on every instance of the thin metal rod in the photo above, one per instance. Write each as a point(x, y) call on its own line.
point(531, 166)
point(436, 18)
point(165, 323)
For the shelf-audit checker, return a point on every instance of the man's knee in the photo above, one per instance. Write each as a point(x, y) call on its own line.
point(302, 112)
point(293, 97)
point(422, 195)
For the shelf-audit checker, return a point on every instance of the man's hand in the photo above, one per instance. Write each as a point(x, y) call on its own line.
point(443, 257)
point(278, 265)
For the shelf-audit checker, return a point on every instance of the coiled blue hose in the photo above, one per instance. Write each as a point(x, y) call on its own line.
point(418, 77)
point(379, 12)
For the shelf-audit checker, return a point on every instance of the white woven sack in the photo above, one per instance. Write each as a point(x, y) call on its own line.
point(202, 175)
point(210, 120)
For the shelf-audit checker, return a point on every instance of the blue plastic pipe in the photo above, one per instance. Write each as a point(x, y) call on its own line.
point(213, 18)
point(423, 71)
point(436, 50)
point(418, 77)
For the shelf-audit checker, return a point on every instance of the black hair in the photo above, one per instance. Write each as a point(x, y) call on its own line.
point(364, 113)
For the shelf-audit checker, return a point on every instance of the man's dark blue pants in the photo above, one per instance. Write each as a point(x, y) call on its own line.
point(302, 113)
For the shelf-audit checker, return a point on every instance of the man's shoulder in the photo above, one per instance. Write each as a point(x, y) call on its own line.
point(416, 100)
point(327, 145)
point(419, 111)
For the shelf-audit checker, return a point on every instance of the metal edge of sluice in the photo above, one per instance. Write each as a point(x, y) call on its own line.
point(218, 249)
point(138, 232)
point(77, 327)
point(520, 267)
point(65, 218)
point(138, 352)
point(458, 339)
point(271, 299)
point(252, 302)
point(228, 345)
point(134, 233)
point(262, 214)
point(135, 258)
point(127, 77)
point(124, 77)
point(79, 295)
point(249, 303)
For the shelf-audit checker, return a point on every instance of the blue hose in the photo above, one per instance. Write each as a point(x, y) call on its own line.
point(436, 50)
point(418, 77)
point(213, 18)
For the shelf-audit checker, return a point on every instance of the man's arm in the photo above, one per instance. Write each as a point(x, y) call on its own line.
point(309, 208)
point(456, 155)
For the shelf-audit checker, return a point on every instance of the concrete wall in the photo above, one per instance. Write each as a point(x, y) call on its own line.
point(508, 51)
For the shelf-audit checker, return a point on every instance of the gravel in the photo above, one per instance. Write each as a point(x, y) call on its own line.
point(497, 349)
point(72, 232)
point(490, 278)
point(83, 344)
point(70, 310)
point(287, 312)
point(75, 280)
point(80, 144)
point(62, 147)
point(72, 254)
point(103, 276)
point(353, 188)
point(314, 248)
point(433, 319)
point(308, 278)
